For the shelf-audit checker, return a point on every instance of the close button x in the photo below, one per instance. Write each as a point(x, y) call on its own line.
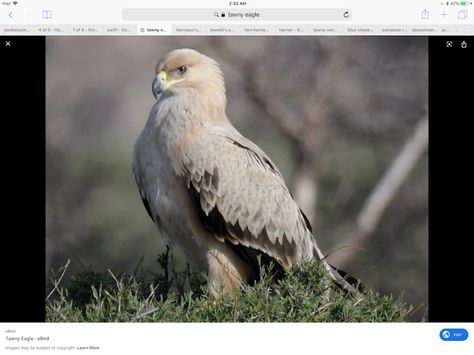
point(8, 44)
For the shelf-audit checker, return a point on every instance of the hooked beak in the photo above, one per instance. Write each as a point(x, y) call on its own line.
point(159, 84)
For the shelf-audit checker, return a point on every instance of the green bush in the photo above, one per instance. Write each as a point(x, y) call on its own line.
point(303, 295)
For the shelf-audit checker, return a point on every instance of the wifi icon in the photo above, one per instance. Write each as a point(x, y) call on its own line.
point(15, 2)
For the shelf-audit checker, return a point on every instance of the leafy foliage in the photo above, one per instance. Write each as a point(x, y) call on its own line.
point(303, 295)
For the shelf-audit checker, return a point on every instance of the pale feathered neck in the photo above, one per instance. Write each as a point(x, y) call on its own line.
point(196, 102)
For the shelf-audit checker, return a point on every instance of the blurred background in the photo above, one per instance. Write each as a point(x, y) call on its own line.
point(334, 113)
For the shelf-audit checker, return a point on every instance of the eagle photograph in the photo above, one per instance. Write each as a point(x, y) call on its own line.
point(210, 169)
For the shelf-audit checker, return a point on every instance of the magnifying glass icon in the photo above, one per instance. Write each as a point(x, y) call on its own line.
point(216, 14)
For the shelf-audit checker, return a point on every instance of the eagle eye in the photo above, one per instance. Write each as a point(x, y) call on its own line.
point(182, 69)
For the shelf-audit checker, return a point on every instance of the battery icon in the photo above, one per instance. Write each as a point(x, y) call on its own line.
point(463, 3)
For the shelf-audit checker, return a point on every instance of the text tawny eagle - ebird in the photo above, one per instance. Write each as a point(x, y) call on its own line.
point(208, 189)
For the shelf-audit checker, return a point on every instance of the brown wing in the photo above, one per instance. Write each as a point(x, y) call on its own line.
point(242, 198)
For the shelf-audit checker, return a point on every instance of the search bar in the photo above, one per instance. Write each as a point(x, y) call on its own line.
point(185, 14)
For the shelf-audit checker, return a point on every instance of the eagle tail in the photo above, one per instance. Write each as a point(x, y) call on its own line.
point(341, 278)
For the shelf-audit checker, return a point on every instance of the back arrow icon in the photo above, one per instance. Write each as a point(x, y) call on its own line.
point(10, 14)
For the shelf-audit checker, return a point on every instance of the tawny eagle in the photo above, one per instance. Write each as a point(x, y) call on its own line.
point(208, 189)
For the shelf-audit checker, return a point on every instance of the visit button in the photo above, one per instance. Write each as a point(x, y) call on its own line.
point(453, 334)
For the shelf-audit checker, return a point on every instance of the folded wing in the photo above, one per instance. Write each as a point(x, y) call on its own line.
point(242, 199)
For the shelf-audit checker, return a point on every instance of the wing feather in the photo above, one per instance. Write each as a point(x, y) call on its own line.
point(242, 198)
